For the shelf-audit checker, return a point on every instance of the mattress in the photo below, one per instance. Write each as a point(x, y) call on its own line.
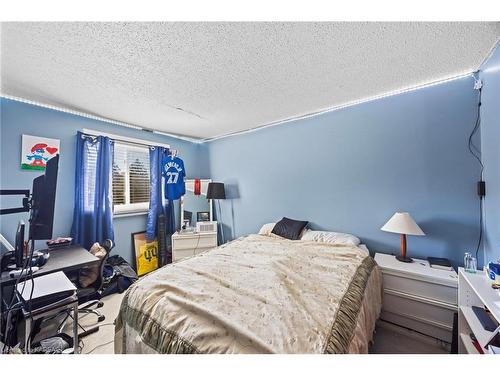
point(257, 294)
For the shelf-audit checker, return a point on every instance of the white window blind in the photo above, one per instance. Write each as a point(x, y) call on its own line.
point(130, 178)
point(90, 160)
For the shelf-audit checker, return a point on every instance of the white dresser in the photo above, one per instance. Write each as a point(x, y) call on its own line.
point(419, 297)
point(185, 245)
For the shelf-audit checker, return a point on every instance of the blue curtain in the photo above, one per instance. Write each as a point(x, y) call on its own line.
point(157, 206)
point(170, 217)
point(93, 212)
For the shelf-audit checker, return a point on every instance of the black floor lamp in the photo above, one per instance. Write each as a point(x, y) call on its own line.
point(216, 191)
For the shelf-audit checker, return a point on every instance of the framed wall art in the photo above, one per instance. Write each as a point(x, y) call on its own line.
point(37, 151)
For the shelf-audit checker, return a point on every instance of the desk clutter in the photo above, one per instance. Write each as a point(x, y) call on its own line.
point(440, 263)
point(55, 290)
point(59, 242)
point(493, 272)
point(32, 297)
point(37, 260)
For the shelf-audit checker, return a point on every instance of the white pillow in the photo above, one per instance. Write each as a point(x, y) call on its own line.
point(267, 229)
point(331, 237)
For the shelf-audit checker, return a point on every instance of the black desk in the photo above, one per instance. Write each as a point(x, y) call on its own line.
point(66, 259)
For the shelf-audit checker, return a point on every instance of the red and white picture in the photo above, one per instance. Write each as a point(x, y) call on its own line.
point(37, 151)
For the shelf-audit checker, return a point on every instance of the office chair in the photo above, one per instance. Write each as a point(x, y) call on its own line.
point(91, 295)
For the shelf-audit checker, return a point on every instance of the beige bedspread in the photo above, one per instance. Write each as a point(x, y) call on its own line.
point(257, 294)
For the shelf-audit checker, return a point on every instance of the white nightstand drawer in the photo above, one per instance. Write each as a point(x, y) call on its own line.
point(441, 333)
point(187, 253)
point(181, 254)
point(431, 317)
point(437, 312)
point(186, 245)
point(412, 285)
point(194, 242)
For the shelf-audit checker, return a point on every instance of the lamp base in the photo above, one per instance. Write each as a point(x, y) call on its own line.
point(404, 259)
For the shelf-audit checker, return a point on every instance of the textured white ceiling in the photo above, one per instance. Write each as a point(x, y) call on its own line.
point(208, 79)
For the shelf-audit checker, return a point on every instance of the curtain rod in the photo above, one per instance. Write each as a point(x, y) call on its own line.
point(124, 139)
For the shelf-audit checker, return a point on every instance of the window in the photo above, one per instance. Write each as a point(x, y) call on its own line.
point(90, 161)
point(130, 178)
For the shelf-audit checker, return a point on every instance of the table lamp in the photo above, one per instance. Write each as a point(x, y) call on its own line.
point(403, 223)
point(216, 191)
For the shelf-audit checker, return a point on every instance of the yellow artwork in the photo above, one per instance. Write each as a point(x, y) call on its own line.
point(146, 254)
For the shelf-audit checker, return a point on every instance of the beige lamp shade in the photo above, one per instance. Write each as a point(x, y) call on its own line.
point(402, 223)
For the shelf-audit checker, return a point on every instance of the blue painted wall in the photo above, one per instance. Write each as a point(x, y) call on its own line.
point(347, 170)
point(20, 118)
point(350, 170)
point(490, 147)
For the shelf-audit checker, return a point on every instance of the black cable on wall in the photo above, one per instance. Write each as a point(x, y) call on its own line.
point(474, 150)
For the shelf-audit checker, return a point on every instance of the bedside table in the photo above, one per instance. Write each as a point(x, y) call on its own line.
point(185, 245)
point(419, 297)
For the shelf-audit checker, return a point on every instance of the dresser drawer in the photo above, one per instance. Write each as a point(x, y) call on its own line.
point(195, 242)
point(414, 286)
point(438, 332)
point(186, 253)
point(188, 245)
point(431, 317)
point(181, 254)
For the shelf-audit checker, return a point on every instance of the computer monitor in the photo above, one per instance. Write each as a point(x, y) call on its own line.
point(43, 201)
point(19, 245)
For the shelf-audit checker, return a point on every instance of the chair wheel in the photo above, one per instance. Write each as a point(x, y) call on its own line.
point(101, 318)
point(100, 304)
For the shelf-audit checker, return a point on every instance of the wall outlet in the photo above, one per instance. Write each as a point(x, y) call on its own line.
point(481, 188)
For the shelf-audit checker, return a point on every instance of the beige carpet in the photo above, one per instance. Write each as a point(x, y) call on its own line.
point(389, 339)
point(101, 342)
point(98, 342)
point(392, 339)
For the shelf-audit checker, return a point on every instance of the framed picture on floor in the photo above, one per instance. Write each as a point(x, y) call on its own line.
point(146, 253)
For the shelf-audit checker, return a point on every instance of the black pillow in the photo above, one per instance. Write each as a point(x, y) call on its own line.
point(289, 228)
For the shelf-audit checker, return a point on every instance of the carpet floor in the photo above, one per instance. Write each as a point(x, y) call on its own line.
point(101, 342)
point(388, 338)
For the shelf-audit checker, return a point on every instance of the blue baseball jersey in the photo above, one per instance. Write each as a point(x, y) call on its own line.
point(174, 173)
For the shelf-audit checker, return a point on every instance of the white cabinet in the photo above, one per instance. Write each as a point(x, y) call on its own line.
point(185, 245)
point(474, 289)
point(418, 297)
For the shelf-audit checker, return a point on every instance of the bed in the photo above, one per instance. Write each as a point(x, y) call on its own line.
point(257, 294)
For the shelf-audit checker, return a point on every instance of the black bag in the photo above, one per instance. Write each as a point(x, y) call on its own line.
point(122, 276)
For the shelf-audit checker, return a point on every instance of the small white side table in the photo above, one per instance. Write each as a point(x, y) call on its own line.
point(419, 297)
